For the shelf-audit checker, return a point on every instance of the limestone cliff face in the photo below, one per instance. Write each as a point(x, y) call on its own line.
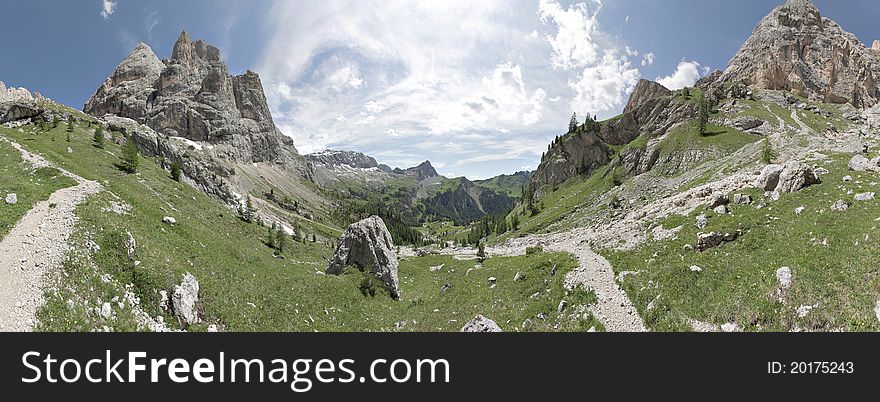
point(193, 96)
point(795, 48)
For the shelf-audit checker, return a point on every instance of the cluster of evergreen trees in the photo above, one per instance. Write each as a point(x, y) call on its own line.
point(399, 225)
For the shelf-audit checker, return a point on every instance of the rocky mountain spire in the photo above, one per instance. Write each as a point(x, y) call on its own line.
point(193, 96)
point(794, 48)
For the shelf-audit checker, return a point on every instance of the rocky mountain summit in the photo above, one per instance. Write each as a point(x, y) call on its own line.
point(193, 96)
point(794, 48)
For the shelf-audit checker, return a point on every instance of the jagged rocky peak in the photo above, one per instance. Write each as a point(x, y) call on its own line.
point(423, 171)
point(192, 95)
point(794, 48)
point(348, 158)
point(644, 91)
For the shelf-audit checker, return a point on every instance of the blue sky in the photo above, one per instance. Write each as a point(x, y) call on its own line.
point(477, 87)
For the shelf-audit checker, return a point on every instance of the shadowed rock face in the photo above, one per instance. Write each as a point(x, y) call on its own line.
point(193, 96)
point(795, 48)
point(367, 245)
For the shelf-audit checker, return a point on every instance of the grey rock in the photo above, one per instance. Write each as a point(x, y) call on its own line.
point(481, 324)
point(130, 246)
point(721, 210)
point(796, 176)
point(169, 220)
point(702, 222)
point(769, 177)
point(746, 123)
point(11, 198)
point(106, 310)
point(840, 206)
point(864, 196)
point(860, 163)
point(367, 245)
point(561, 307)
point(719, 200)
point(783, 276)
point(742, 199)
point(184, 300)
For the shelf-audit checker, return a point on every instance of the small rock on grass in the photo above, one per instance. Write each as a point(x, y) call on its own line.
point(840, 206)
point(783, 275)
point(864, 196)
point(481, 324)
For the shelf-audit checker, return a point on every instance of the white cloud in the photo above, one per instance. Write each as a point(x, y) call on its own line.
point(573, 45)
point(686, 74)
point(373, 76)
point(602, 87)
point(648, 59)
point(108, 7)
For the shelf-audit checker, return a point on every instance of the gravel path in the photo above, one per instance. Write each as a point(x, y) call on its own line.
point(613, 308)
point(35, 245)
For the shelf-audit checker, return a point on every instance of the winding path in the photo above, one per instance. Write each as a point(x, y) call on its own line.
point(614, 308)
point(35, 245)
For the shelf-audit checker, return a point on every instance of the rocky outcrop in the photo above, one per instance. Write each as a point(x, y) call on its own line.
point(796, 176)
point(193, 96)
point(481, 324)
point(184, 300)
point(20, 104)
point(644, 91)
point(200, 169)
point(579, 153)
point(788, 178)
point(794, 48)
point(368, 246)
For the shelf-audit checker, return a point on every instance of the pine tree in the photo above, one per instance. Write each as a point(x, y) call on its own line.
point(55, 121)
point(70, 124)
point(573, 124)
point(270, 237)
point(686, 92)
point(280, 240)
point(175, 171)
point(249, 213)
point(514, 222)
point(129, 156)
point(704, 114)
point(99, 137)
point(481, 251)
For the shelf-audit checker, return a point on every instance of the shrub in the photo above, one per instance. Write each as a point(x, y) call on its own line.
point(534, 250)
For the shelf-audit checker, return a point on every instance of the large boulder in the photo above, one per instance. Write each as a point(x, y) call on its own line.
point(368, 245)
point(481, 324)
point(769, 177)
point(184, 300)
point(795, 176)
point(788, 178)
point(860, 163)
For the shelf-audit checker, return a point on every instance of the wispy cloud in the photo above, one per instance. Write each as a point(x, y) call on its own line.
point(108, 7)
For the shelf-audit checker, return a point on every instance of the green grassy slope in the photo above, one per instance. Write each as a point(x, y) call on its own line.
point(30, 186)
point(833, 256)
point(245, 288)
